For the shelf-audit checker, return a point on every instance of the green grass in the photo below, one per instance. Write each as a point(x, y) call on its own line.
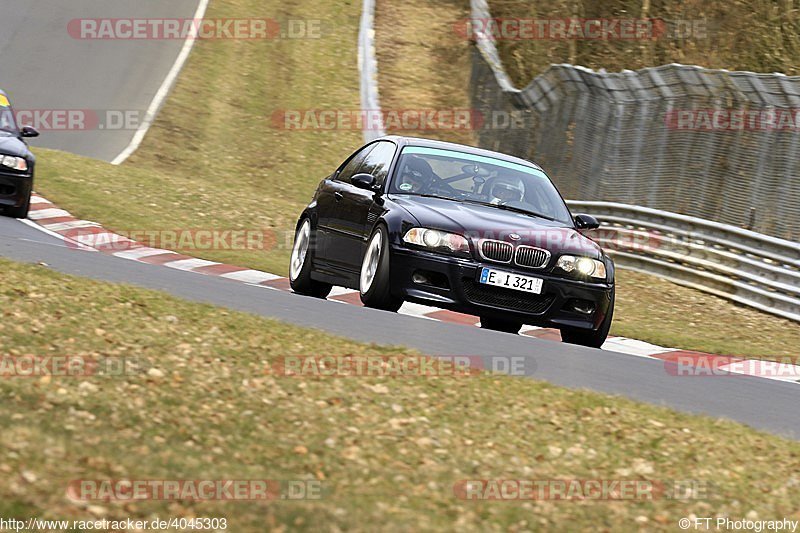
point(664, 313)
point(422, 63)
point(387, 452)
point(754, 35)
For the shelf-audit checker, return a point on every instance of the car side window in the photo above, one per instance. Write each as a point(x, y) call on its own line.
point(354, 164)
point(379, 160)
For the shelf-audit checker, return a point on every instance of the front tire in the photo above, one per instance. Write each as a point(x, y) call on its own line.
point(592, 339)
point(300, 264)
point(374, 280)
point(497, 324)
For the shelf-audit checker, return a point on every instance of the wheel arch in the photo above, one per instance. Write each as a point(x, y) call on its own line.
point(611, 270)
point(397, 222)
point(309, 212)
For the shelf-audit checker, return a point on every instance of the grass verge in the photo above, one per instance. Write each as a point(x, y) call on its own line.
point(754, 35)
point(664, 313)
point(422, 63)
point(387, 452)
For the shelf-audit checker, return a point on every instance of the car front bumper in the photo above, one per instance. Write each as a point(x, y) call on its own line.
point(14, 189)
point(452, 284)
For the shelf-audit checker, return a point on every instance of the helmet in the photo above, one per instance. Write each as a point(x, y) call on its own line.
point(506, 190)
point(416, 174)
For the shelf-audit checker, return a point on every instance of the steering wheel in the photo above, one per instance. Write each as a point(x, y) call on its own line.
point(438, 185)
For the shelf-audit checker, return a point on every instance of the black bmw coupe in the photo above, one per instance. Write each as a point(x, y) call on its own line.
point(456, 227)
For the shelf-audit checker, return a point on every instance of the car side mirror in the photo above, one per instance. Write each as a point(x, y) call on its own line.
point(363, 181)
point(586, 222)
point(29, 131)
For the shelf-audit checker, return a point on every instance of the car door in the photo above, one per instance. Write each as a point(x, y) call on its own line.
point(357, 208)
point(329, 227)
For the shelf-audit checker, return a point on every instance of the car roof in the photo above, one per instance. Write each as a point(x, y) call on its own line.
point(431, 143)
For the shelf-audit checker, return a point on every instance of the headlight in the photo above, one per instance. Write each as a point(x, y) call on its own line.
point(17, 163)
point(585, 266)
point(437, 240)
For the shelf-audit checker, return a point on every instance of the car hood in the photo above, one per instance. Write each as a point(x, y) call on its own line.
point(10, 145)
point(487, 222)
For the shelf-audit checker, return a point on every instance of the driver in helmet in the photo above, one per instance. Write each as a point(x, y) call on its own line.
point(416, 175)
point(506, 191)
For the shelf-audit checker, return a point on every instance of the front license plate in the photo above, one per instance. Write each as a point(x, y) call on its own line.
point(509, 280)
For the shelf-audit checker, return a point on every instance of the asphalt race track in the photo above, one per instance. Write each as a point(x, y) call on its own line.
point(43, 68)
point(764, 404)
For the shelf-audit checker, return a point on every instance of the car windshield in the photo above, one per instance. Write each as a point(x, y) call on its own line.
point(7, 122)
point(477, 179)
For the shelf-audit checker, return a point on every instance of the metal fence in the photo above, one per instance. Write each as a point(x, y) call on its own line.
point(643, 137)
point(368, 69)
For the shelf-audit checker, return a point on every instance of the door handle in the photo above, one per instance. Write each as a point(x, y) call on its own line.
point(338, 195)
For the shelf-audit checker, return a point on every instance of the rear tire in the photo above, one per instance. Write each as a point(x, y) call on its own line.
point(19, 212)
point(592, 339)
point(497, 324)
point(374, 280)
point(300, 264)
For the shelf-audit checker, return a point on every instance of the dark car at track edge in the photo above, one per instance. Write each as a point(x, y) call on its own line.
point(17, 163)
point(456, 227)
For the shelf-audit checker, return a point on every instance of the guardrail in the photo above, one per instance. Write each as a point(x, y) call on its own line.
point(368, 69)
point(743, 266)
